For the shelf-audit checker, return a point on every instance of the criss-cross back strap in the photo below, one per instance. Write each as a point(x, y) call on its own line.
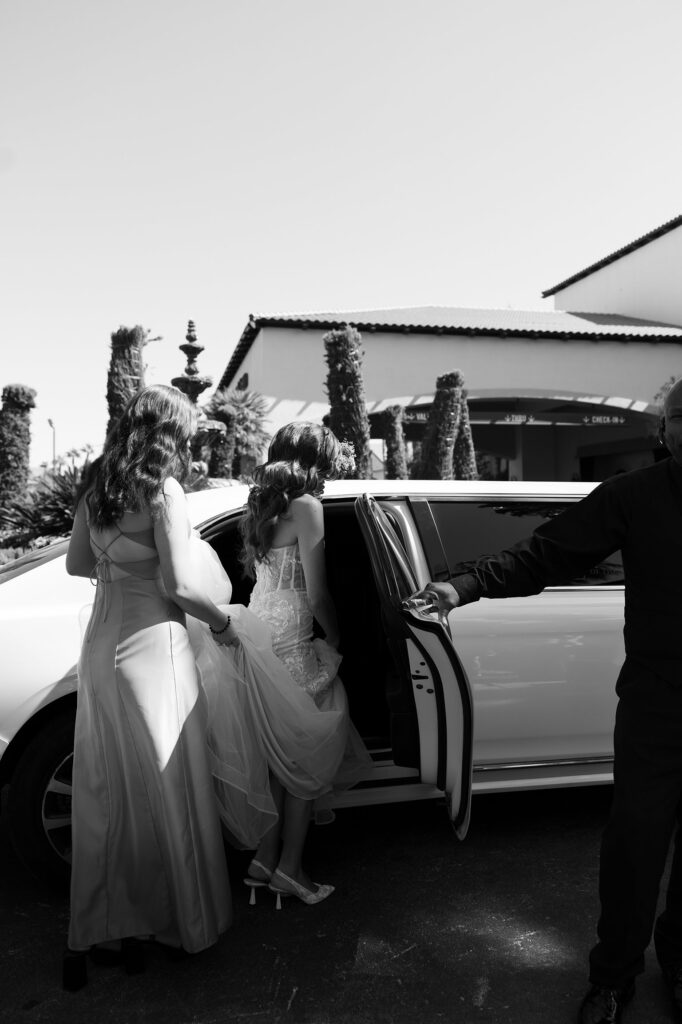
point(103, 551)
point(143, 568)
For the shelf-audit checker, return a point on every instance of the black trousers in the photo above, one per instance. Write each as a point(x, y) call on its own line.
point(647, 807)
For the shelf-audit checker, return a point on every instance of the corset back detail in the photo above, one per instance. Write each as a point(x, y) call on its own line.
point(281, 570)
point(280, 599)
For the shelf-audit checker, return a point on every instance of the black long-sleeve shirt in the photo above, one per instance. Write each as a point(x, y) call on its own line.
point(639, 513)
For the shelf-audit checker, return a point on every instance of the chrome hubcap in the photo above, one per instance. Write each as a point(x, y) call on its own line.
point(56, 809)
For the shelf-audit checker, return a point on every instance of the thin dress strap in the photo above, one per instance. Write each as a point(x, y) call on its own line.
point(101, 572)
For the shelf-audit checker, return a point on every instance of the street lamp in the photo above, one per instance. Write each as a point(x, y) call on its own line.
point(54, 445)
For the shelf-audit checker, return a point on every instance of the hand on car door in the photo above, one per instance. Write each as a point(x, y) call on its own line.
point(441, 596)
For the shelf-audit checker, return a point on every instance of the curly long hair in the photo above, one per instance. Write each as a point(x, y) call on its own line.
point(301, 457)
point(149, 443)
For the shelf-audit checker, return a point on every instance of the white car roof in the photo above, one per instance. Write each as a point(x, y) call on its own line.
point(203, 505)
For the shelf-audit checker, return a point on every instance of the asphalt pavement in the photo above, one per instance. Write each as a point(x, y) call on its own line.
point(421, 929)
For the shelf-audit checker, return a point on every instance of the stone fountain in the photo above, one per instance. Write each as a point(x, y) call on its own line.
point(192, 383)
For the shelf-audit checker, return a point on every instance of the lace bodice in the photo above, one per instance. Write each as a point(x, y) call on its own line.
point(281, 571)
point(279, 597)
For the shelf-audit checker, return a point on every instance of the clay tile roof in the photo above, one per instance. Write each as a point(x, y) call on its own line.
point(501, 323)
point(618, 254)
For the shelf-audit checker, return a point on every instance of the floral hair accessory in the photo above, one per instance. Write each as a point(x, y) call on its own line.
point(345, 460)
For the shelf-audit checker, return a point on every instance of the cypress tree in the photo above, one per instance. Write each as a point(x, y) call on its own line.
point(464, 455)
point(394, 438)
point(441, 430)
point(348, 411)
point(15, 440)
point(126, 369)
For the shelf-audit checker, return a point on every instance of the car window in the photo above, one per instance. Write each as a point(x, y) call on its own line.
point(222, 533)
point(470, 530)
point(31, 560)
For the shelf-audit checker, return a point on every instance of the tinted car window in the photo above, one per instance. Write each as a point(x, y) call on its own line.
point(32, 560)
point(470, 530)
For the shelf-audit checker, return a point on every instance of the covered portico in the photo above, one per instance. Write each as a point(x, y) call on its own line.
point(529, 433)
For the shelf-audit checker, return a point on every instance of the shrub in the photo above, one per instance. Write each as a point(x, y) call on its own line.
point(46, 512)
point(243, 413)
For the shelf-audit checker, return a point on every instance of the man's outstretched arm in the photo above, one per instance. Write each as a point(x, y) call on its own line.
point(558, 551)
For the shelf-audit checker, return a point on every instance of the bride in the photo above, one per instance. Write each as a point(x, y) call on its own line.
point(280, 736)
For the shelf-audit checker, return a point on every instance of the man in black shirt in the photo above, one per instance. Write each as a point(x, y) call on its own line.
point(639, 513)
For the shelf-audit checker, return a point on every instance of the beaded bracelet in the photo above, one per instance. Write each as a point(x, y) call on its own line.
point(219, 632)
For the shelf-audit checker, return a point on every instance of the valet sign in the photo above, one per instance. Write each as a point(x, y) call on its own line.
point(481, 413)
point(516, 419)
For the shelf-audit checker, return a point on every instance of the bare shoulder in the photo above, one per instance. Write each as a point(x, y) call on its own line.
point(173, 508)
point(307, 517)
point(172, 489)
point(306, 506)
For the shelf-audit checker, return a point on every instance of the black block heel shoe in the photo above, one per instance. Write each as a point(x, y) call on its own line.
point(133, 956)
point(74, 970)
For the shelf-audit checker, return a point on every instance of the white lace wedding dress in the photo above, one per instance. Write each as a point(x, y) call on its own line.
point(276, 702)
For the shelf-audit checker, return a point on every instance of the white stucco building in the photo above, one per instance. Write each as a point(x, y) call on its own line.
point(640, 280)
point(557, 394)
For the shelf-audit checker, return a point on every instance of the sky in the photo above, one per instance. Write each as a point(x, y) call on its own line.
point(167, 160)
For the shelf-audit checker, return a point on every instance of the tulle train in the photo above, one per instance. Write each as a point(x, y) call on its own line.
point(260, 720)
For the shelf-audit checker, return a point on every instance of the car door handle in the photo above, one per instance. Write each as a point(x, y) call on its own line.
point(425, 608)
point(417, 604)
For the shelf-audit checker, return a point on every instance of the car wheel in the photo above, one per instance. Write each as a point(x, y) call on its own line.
point(39, 801)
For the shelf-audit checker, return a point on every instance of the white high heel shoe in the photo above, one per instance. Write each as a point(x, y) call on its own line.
point(293, 888)
point(254, 883)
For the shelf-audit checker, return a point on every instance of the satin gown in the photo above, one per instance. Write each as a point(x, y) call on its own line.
point(276, 702)
point(148, 856)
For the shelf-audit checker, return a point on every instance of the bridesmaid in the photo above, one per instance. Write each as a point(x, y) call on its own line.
point(148, 857)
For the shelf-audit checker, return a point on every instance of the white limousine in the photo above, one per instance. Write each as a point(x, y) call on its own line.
point(511, 694)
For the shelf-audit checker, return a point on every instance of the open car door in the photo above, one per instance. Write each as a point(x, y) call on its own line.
point(428, 692)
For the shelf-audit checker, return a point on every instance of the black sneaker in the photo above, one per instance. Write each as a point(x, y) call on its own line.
point(604, 1005)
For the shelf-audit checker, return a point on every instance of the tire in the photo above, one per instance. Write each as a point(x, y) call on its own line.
point(39, 801)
